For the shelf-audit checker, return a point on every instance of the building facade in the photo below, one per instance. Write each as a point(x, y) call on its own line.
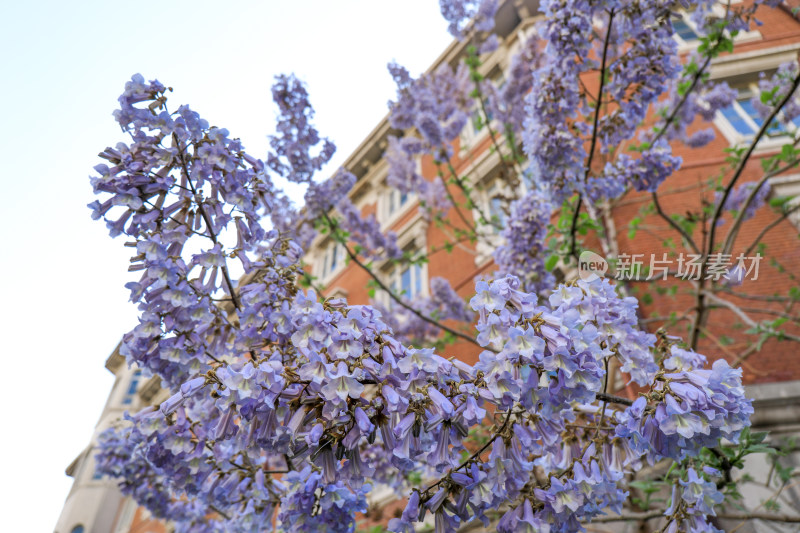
point(94, 503)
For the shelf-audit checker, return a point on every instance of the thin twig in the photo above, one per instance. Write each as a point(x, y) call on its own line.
point(207, 220)
point(354, 258)
point(740, 168)
point(478, 452)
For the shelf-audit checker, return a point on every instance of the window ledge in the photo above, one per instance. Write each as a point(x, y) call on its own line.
point(325, 280)
point(388, 220)
point(735, 139)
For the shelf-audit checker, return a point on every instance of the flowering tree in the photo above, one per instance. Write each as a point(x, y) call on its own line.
point(287, 409)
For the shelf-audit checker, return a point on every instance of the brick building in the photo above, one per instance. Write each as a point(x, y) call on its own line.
point(772, 375)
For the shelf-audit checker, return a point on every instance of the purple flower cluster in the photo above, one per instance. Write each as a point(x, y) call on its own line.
point(689, 408)
point(740, 198)
point(644, 173)
point(436, 104)
point(554, 100)
point(465, 14)
point(170, 185)
point(693, 500)
point(291, 156)
point(285, 409)
point(302, 510)
point(507, 104)
point(775, 90)
point(334, 400)
point(523, 251)
point(632, 42)
point(366, 232)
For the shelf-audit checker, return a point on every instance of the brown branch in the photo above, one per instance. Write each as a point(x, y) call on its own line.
point(769, 226)
point(741, 358)
point(771, 517)
point(740, 169)
point(613, 399)
point(593, 142)
point(596, 121)
point(673, 224)
point(628, 517)
point(354, 258)
point(698, 75)
point(211, 235)
point(218, 511)
point(573, 227)
point(757, 297)
point(746, 318)
point(726, 516)
point(477, 453)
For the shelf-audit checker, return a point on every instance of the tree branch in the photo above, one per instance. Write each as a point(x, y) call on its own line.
point(353, 257)
point(593, 142)
point(726, 516)
point(673, 224)
point(738, 172)
point(769, 226)
point(211, 235)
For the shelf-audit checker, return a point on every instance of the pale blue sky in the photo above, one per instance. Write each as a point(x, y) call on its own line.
point(63, 65)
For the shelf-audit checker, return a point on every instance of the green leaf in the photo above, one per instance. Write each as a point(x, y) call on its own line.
point(779, 201)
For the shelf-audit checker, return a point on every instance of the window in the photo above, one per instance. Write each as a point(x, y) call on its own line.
point(497, 201)
point(497, 212)
point(743, 118)
point(332, 259)
point(407, 281)
point(685, 33)
point(392, 203)
point(476, 125)
point(397, 199)
point(131, 392)
point(77, 529)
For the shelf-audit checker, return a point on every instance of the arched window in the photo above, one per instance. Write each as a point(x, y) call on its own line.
point(77, 529)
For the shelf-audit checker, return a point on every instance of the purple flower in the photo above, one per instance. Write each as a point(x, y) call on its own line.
point(523, 252)
point(740, 198)
point(291, 156)
point(702, 495)
point(341, 384)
